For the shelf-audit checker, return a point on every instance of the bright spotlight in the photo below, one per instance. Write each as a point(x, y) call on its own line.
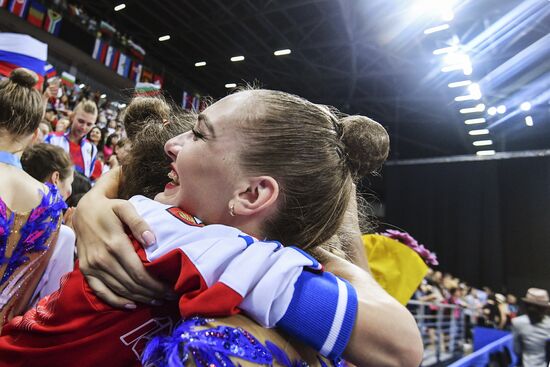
point(230, 85)
point(103, 96)
point(475, 121)
point(485, 152)
point(237, 58)
point(282, 52)
point(119, 7)
point(479, 132)
point(81, 85)
point(492, 111)
point(528, 121)
point(481, 143)
point(200, 63)
point(525, 106)
point(501, 109)
point(462, 83)
point(445, 50)
point(479, 108)
point(164, 38)
point(447, 15)
point(438, 28)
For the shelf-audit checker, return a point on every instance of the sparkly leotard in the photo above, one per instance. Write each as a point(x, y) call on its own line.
point(26, 244)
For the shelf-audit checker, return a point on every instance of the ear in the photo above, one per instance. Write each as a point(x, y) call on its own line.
point(256, 195)
point(54, 178)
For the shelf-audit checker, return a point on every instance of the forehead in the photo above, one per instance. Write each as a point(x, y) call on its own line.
point(230, 109)
point(88, 117)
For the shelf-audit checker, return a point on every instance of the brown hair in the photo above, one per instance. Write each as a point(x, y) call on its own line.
point(21, 105)
point(87, 106)
point(142, 111)
point(146, 169)
point(314, 156)
point(41, 160)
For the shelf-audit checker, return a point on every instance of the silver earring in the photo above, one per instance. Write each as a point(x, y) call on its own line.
point(232, 210)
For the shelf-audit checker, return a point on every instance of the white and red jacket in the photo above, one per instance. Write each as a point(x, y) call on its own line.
point(217, 270)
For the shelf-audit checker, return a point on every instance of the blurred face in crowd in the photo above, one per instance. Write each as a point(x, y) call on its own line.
point(112, 124)
point(95, 135)
point(62, 125)
point(122, 152)
point(82, 123)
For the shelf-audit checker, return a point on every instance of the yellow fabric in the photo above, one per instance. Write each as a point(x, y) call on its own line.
point(396, 267)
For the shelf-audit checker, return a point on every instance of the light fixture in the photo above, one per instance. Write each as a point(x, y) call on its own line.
point(103, 96)
point(501, 109)
point(119, 7)
point(525, 106)
point(230, 85)
point(237, 58)
point(445, 50)
point(479, 132)
point(447, 15)
point(200, 63)
point(481, 143)
point(438, 28)
point(485, 152)
point(462, 83)
point(475, 121)
point(282, 52)
point(528, 121)
point(479, 108)
point(164, 38)
point(81, 85)
point(492, 111)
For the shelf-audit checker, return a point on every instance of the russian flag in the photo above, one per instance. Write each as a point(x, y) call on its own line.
point(22, 51)
point(49, 71)
point(19, 7)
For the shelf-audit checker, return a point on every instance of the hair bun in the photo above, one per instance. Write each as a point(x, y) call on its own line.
point(143, 111)
point(24, 77)
point(367, 144)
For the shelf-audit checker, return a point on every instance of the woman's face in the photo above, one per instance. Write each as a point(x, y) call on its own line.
point(95, 135)
point(205, 170)
point(61, 125)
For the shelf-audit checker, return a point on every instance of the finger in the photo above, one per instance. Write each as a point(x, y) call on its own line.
point(140, 229)
point(107, 296)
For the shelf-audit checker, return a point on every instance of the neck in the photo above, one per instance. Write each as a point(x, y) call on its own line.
point(74, 138)
point(14, 144)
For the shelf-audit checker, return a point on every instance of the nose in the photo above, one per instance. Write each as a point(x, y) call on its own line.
point(173, 147)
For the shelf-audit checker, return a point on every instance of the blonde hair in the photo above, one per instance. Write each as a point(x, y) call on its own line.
point(21, 105)
point(86, 106)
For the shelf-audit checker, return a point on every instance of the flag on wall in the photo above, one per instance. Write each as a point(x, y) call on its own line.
point(113, 61)
point(22, 51)
point(136, 50)
point(135, 71)
point(36, 15)
point(52, 24)
point(68, 79)
point(124, 63)
point(147, 89)
point(196, 103)
point(49, 71)
point(19, 7)
point(3, 3)
point(158, 79)
point(106, 29)
point(146, 75)
point(100, 50)
point(184, 100)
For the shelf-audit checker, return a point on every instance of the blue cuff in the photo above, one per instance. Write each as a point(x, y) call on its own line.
point(321, 313)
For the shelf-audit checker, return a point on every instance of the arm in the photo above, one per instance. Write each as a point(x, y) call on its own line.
point(106, 257)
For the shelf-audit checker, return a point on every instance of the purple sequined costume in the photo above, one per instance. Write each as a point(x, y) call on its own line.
point(25, 243)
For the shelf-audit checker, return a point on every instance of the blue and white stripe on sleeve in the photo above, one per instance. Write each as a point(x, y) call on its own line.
point(321, 313)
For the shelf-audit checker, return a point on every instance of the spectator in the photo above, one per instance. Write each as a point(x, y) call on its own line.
point(533, 329)
point(83, 153)
point(62, 125)
point(109, 147)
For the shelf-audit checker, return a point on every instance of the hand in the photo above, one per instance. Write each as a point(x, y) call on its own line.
point(107, 258)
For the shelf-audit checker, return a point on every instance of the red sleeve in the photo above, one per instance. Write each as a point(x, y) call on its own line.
point(98, 170)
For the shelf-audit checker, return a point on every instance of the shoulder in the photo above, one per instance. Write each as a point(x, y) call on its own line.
point(520, 321)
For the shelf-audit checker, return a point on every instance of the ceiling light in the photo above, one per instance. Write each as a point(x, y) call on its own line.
point(485, 152)
point(164, 38)
point(200, 63)
point(501, 109)
point(120, 7)
point(481, 143)
point(444, 50)
point(103, 96)
point(492, 111)
point(459, 84)
point(479, 132)
point(525, 106)
point(436, 29)
point(230, 85)
point(475, 121)
point(282, 52)
point(479, 108)
point(448, 15)
point(81, 85)
point(528, 121)
point(237, 58)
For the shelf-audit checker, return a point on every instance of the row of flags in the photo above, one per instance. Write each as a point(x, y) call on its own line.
point(193, 102)
point(122, 64)
point(35, 13)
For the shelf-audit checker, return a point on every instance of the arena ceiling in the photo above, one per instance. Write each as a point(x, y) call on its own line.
point(370, 57)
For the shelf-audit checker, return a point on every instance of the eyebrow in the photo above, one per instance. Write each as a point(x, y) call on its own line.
point(204, 120)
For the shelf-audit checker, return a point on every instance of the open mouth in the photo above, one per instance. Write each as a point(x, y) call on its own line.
point(172, 175)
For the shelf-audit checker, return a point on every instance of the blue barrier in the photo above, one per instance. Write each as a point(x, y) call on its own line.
point(482, 357)
point(484, 336)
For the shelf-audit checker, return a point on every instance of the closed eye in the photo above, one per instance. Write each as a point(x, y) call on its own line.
point(197, 135)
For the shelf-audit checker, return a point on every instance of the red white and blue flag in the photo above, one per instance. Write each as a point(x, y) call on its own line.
point(100, 50)
point(22, 51)
point(49, 71)
point(3, 3)
point(19, 7)
point(135, 71)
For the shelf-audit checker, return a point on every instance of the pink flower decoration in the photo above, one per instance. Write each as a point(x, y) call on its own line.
point(429, 257)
